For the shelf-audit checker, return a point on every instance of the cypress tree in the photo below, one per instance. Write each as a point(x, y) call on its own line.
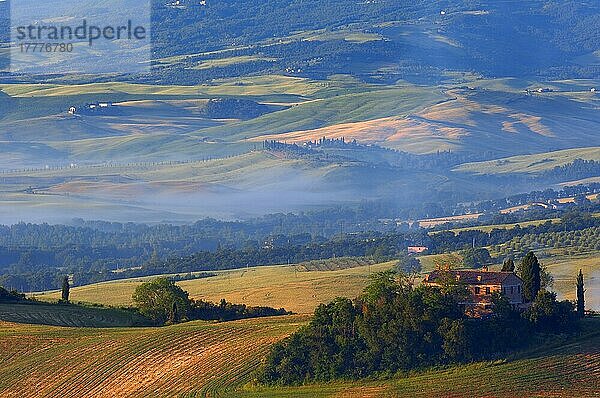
point(174, 313)
point(65, 289)
point(531, 275)
point(580, 295)
point(508, 265)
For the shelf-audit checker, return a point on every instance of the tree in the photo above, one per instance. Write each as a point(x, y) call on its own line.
point(476, 257)
point(382, 287)
point(66, 289)
point(531, 275)
point(549, 315)
point(174, 313)
point(161, 300)
point(508, 265)
point(580, 295)
point(456, 341)
point(408, 264)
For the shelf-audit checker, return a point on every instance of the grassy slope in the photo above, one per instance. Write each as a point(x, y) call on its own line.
point(278, 286)
point(301, 291)
point(569, 370)
point(500, 121)
point(147, 134)
point(531, 163)
point(242, 86)
point(68, 315)
point(197, 358)
point(216, 170)
point(564, 269)
point(200, 359)
point(488, 228)
point(353, 107)
point(406, 117)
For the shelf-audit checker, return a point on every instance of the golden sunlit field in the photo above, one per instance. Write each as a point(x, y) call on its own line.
point(300, 291)
point(289, 287)
point(564, 269)
point(195, 359)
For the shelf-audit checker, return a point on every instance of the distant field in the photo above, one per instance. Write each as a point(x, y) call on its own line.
point(242, 86)
point(564, 269)
point(531, 163)
point(321, 113)
point(488, 228)
point(253, 183)
point(200, 359)
point(288, 287)
point(433, 222)
point(504, 122)
point(162, 123)
point(221, 62)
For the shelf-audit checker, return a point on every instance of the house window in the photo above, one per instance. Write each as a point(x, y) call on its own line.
point(487, 290)
point(477, 290)
point(519, 287)
point(512, 290)
point(503, 290)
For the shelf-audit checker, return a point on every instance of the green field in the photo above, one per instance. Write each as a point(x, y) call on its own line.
point(490, 227)
point(531, 164)
point(69, 315)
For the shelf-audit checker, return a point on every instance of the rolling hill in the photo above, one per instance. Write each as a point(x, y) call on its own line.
point(290, 287)
point(299, 290)
point(531, 164)
point(203, 358)
point(422, 78)
point(200, 359)
point(474, 120)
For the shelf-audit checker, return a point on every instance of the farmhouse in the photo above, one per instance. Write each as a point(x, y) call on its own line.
point(481, 284)
point(417, 249)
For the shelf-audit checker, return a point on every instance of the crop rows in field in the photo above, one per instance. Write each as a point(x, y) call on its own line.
point(195, 359)
point(73, 316)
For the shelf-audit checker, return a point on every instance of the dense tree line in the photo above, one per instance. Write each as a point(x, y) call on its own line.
point(576, 170)
point(449, 241)
point(291, 249)
point(396, 327)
